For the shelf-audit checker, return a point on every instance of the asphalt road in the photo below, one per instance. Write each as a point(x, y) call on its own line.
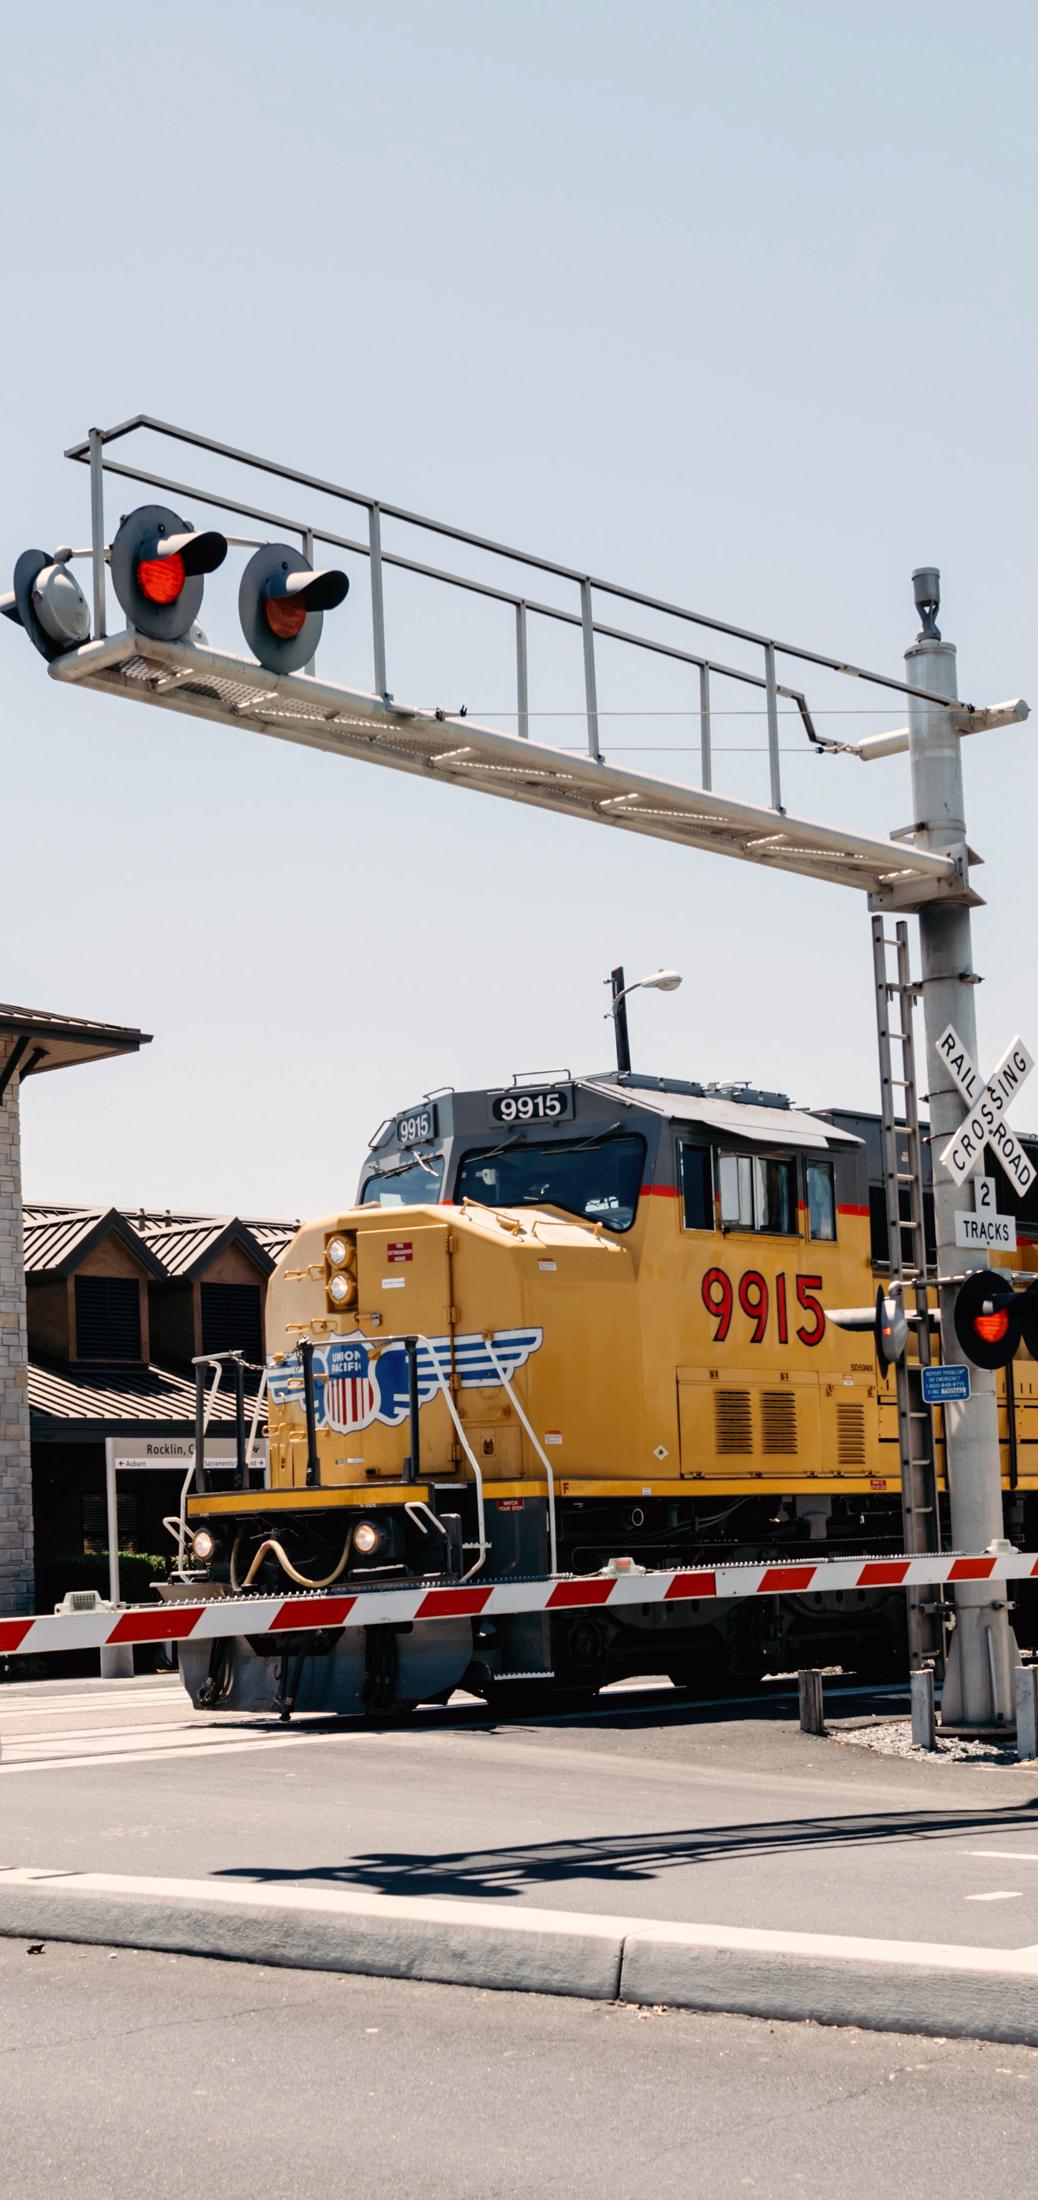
point(641, 1806)
point(123, 2072)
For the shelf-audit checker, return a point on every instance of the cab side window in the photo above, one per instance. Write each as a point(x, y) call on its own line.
point(821, 1200)
point(758, 1192)
point(697, 1187)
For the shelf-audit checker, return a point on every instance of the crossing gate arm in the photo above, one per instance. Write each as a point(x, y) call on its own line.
point(232, 691)
point(620, 1585)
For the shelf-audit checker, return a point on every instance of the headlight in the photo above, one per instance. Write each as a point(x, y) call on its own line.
point(367, 1539)
point(339, 1287)
point(203, 1546)
point(335, 1252)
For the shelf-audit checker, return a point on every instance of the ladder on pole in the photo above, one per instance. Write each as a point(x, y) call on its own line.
point(896, 997)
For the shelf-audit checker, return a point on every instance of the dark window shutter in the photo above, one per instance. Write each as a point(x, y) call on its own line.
point(108, 1318)
point(231, 1319)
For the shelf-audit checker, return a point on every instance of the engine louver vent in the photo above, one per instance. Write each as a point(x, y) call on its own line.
point(850, 1435)
point(733, 1421)
point(778, 1418)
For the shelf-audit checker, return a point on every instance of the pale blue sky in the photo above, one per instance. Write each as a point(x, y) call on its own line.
point(735, 304)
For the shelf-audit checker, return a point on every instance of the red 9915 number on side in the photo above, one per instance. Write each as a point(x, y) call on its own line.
point(752, 1297)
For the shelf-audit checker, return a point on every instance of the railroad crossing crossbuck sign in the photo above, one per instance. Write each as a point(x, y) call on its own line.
point(988, 1101)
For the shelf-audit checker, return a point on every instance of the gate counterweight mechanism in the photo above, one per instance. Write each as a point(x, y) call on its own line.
point(159, 561)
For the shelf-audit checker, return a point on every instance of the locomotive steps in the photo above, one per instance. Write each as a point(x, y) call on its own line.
point(884, 1985)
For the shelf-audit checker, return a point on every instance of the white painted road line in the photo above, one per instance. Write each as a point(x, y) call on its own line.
point(100, 1706)
point(296, 1738)
point(1006, 1856)
point(998, 1894)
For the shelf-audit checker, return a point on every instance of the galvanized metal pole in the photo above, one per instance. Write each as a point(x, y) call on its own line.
point(378, 605)
point(97, 530)
point(587, 621)
point(112, 1521)
point(706, 774)
point(308, 553)
point(522, 673)
point(619, 1000)
point(771, 693)
point(979, 1687)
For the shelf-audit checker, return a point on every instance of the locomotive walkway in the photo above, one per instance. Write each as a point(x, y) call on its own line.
point(716, 1858)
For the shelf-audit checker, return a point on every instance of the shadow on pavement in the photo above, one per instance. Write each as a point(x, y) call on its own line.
point(628, 1858)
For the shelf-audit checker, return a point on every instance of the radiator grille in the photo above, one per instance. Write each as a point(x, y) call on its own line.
point(850, 1435)
point(778, 1421)
point(733, 1421)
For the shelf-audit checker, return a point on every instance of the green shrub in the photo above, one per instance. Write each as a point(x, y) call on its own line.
point(137, 1571)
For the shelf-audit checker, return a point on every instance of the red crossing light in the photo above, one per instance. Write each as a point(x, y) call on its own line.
point(285, 616)
point(989, 1317)
point(161, 579)
point(281, 605)
point(159, 565)
point(992, 1327)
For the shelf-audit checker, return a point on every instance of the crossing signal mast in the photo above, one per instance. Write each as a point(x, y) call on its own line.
point(159, 563)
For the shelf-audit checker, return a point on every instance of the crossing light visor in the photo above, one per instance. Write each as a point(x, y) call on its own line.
point(282, 602)
point(159, 565)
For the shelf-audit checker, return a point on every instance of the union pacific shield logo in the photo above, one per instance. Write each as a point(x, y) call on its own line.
point(354, 1387)
point(350, 1396)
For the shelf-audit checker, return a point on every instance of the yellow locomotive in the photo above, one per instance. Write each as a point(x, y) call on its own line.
point(563, 1322)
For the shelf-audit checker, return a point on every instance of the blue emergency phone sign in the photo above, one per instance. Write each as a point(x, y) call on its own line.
point(945, 1386)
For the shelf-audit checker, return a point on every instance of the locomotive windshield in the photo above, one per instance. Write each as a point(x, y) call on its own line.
point(409, 1182)
point(598, 1179)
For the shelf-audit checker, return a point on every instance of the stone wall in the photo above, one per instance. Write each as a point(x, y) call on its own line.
point(16, 1575)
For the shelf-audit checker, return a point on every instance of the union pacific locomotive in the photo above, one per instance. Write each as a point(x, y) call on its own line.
point(562, 1322)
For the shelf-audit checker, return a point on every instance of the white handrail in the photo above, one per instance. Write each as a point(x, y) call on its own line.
point(190, 1475)
point(542, 1455)
point(472, 1459)
point(261, 1392)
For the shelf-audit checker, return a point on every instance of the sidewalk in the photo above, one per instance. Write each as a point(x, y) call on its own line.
point(714, 1863)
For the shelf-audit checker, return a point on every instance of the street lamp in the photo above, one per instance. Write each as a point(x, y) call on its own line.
point(661, 981)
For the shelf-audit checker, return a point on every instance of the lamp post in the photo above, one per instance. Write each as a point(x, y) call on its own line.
point(660, 981)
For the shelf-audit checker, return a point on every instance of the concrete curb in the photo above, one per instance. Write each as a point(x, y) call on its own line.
point(883, 1985)
point(387, 1936)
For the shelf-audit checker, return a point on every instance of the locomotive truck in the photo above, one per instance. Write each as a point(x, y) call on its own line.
point(564, 1321)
